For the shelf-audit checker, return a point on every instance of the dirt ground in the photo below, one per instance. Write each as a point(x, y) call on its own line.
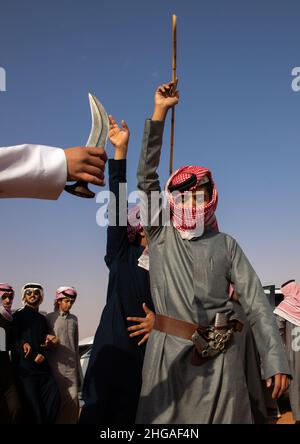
point(285, 412)
point(286, 418)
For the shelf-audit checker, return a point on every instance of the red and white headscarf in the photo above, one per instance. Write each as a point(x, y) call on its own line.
point(65, 292)
point(62, 293)
point(6, 289)
point(134, 226)
point(186, 220)
point(289, 308)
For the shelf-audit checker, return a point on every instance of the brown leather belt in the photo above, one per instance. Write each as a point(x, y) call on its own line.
point(175, 327)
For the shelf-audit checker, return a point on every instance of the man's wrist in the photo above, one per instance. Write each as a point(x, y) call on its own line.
point(160, 113)
point(120, 152)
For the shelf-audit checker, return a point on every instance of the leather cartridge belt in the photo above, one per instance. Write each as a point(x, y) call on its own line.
point(175, 327)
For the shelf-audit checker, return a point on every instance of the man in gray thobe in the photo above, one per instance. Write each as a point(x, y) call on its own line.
point(190, 273)
point(64, 358)
point(288, 321)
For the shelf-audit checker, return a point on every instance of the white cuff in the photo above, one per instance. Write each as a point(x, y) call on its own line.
point(34, 171)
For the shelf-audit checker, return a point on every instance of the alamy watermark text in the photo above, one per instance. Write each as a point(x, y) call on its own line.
point(2, 79)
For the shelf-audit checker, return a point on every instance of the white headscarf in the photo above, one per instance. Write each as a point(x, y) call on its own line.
point(32, 286)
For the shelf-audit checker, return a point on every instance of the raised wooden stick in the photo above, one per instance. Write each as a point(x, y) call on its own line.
point(174, 61)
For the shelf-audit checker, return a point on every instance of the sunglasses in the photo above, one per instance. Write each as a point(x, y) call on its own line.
point(7, 296)
point(32, 292)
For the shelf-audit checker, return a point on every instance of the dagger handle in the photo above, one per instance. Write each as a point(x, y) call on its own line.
point(80, 189)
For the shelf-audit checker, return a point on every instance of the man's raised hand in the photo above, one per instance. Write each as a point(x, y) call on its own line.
point(166, 96)
point(119, 137)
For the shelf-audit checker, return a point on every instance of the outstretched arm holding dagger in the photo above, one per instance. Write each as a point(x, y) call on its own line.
point(41, 172)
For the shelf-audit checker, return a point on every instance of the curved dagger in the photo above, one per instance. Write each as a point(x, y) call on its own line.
point(98, 137)
point(103, 133)
point(96, 122)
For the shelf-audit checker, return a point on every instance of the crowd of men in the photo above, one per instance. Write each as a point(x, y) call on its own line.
point(209, 336)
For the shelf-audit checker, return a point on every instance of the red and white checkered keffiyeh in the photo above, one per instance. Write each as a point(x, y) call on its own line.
point(4, 290)
point(62, 293)
point(186, 219)
point(289, 308)
point(65, 292)
point(134, 223)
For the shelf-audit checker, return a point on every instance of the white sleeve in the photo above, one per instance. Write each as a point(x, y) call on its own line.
point(34, 171)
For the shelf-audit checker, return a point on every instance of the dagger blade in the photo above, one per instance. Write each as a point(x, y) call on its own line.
point(105, 123)
point(96, 123)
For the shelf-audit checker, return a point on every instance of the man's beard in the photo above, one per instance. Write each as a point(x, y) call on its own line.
point(34, 304)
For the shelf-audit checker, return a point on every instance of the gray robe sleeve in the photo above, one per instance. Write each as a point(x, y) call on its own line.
point(281, 324)
point(148, 180)
point(259, 313)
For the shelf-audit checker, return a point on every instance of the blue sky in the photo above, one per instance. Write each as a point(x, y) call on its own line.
point(238, 115)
